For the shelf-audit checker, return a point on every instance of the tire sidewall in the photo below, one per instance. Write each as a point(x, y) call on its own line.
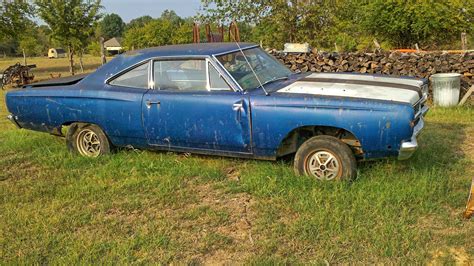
point(76, 129)
point(337, 148)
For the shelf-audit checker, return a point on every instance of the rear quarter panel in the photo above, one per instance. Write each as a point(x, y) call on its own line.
point(116, 110)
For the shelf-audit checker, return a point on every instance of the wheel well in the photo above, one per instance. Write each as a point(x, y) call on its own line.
point(298, 136)
point(58, 131)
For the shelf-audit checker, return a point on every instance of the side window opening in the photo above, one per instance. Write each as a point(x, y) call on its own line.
point(180, 75)
point(134, 78)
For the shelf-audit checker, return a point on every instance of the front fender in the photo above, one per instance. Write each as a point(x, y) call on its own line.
point(379, 126)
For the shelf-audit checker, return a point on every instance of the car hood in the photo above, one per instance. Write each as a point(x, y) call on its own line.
point(406, 90)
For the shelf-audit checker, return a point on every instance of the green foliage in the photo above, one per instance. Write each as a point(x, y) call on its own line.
point(71, 22)
point(167, 29)
point(349, 24)
point(93, 48)
point(14, 18)
point(111, 26)
point(30, 46)
point(138, 22)
point(277, 22)
point(8, 46)
point(405, 23)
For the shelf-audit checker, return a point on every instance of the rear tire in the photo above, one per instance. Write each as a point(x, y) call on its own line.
point(87, 140)
point(325, 158)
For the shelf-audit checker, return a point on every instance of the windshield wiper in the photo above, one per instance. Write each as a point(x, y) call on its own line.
point(273, 80)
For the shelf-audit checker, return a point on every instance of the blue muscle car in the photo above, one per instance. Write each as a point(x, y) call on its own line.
point(228, 99)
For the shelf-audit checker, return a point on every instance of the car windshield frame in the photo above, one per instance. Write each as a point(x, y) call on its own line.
point(267, 68)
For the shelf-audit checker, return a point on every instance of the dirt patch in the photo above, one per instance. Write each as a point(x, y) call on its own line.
point(468, 144)
point(220, 225)
point(16, 167)
point(458, 255)
point(232, 173)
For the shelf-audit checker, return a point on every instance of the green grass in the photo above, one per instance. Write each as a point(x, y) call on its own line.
point(149, 207)
point(59, 66)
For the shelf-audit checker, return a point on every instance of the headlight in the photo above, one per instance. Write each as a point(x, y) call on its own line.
point(425, 90)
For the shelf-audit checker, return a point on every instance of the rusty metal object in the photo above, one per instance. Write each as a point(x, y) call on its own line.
point(234, 34)
point(18, 75)
point(196, 34)
point(470, 203)
point(55, 75)
point(214, 37)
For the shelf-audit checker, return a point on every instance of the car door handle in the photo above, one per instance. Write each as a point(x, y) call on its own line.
point(150, 103)
point(237, 106)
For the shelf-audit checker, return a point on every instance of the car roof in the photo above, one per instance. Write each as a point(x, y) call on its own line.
point(196, 49)
point(131, 58)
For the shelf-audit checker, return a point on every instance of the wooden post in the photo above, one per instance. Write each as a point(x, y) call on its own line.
point(464, 41)
point(81, 64)
point(71, 59)
point(24, 57)
point(466, 96)
point(377, 45)
point(102, 51)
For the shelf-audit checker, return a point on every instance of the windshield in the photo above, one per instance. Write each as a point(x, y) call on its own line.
point(266, 67)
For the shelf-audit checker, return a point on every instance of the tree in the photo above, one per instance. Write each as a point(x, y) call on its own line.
point(169, 28)
point(111, 26)
point(351, 24)
point(14, 18)
point(276, 21)
point(71, 22)
point(14, 23)
point(138, 22)
point(428, 23)
point(30, 46)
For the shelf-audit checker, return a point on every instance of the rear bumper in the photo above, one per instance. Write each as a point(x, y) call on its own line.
point(407, 148)
point(13, 120)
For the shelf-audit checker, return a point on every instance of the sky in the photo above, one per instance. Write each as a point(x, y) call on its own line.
point(130, 9)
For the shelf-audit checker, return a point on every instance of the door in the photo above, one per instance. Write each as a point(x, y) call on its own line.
point(193, 107)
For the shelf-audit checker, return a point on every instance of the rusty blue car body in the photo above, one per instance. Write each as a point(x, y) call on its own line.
point(250, 122)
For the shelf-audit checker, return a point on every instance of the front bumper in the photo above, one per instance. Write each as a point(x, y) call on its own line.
point(13, 120)
point(407, 148)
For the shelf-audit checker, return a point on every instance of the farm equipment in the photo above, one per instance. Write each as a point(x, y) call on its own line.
point(18, 75)
point(470, 203)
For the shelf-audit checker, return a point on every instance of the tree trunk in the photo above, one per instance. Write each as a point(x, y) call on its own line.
point(71, 60)
point(80, 60)
point(24, 57)
point(102, 51)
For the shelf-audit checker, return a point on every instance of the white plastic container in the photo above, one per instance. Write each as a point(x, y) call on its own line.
point(297, 48)
point(446, 88)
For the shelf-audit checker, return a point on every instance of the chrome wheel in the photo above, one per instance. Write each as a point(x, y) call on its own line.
point(323, 165)
point(88, 143)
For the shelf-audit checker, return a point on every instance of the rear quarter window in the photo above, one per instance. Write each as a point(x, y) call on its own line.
point(134, 78)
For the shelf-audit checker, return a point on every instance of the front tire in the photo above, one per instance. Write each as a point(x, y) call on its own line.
point(325, 158)
point(87, 140)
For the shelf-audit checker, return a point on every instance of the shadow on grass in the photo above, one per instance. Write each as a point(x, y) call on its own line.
point(440, 146)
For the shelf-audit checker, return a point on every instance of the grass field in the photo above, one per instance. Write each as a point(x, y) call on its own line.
point(46, 66)
point(148, 207)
